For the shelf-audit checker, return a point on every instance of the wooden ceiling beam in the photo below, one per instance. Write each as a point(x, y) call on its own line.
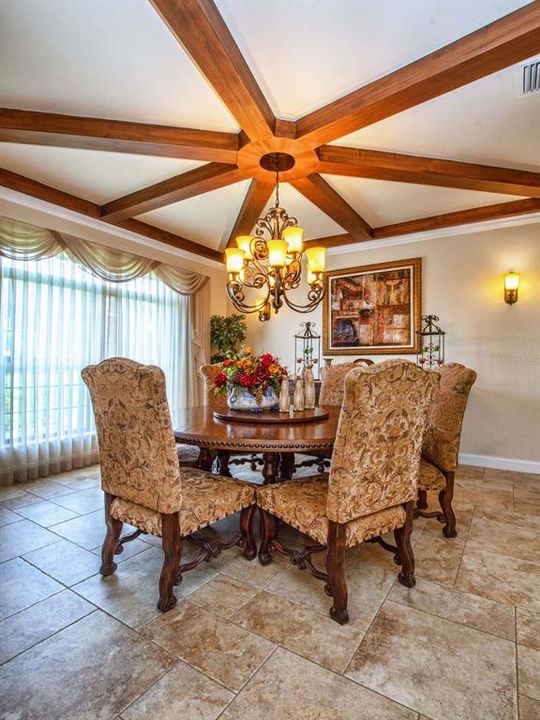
point(513, 38)
point(180, 187)
point(461, 217)
point(252, 207)
point(438, 222)
point(51, 129)
point(321, 194)
point(355, 162)
point(26, 185)
point(200, 29)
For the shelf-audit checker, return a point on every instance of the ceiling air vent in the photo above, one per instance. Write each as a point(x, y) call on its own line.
point(530, 81)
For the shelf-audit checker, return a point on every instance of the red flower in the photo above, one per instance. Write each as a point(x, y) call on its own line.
point(266, 360)
point(228, 363)
point(248, 380)
point(220, 380)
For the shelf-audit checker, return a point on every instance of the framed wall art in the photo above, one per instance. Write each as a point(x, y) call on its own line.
point(373, 309)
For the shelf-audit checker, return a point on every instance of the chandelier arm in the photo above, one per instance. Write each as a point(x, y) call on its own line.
point(315, 296)
point(238, 300)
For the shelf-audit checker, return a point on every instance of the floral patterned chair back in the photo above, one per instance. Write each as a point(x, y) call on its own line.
point(208, 374)
point(379, 439)
point(136, 442)
point(445, 416)
point(333, 381)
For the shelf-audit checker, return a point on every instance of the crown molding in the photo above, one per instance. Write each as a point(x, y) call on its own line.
point(22, 207)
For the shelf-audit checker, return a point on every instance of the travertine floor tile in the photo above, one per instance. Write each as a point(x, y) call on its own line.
point(412, 657)
point(301, 630)
point(433, 528)
point(82, 501)
point(528, 628)
point(504, 538)
point(40, 621)
point(223, 595)
point(21, 537)
point(460, 607)
point(46, 489)
point(437, 559)
point(368, 585)
point(22, 585)
point(90, 670)
point(7, 516)
point(134, 547)
point(46, 513)
point(529, 671)
point(501, 578)
point(10, 492)
point(529, 709)
point(233, 563)
point(131, 594)
point(530, 521)
point(289, 687)
point(182, 694)
point(213, 645)
point(88, 531)
point(486, 497)
point(64, 561)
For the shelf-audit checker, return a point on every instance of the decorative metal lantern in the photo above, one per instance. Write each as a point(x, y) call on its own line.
point(307, 348)
point(431, 354)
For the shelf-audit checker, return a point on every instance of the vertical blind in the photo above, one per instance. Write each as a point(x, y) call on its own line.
point(55, 319)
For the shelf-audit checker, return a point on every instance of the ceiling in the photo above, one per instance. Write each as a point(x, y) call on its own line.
point(118, 59)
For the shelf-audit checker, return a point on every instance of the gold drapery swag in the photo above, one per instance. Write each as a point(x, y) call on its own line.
point(21, 241)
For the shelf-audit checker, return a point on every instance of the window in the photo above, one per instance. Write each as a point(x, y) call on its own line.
point(55, 318)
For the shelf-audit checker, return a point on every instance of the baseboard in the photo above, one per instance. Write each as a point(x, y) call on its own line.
point(500, 463)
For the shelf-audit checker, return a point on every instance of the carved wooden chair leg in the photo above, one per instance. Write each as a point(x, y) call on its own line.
point(421, 503)
point(223, 462)
point(172, 551)
point(205, 459)
point(335, 567)
point(269, 531)
point(405, 551)
point(114, 529)
point(247, 517)
point(445, 500)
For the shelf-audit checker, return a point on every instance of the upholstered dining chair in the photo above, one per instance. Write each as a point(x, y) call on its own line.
point(332, 391)
point(441, 442)
point(372, 486)
point(142, 480)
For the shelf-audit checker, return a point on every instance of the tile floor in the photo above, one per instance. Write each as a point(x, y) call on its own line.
point(253, 643)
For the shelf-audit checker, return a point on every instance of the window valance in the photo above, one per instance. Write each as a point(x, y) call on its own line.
point(21, 241)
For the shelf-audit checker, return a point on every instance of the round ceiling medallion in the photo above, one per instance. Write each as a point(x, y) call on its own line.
point(277, 162)
point(258, 159)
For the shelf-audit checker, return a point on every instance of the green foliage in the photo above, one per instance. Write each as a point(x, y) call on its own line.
point(226, 334)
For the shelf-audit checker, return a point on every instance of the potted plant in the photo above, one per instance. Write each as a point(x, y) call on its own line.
point(227, 333)
point(251, 382)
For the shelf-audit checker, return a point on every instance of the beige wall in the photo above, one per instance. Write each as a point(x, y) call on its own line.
point(462, 284)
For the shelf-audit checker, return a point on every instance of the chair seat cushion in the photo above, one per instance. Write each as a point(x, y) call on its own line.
point(431, 478)
point(302, 504)
point(206, 498)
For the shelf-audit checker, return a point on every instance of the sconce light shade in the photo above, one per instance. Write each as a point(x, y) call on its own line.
point(511, 286)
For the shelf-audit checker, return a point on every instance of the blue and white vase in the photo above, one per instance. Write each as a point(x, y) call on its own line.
point(241, 398)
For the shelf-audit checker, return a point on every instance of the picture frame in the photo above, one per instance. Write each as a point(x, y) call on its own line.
point(373, 309)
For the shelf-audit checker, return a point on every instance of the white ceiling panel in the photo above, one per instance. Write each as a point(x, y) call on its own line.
point(306, 53)
point(207, 219)
point(102, 58)
point(382, 203)
point(91, 174)
point(314, 221)
point(487, 122)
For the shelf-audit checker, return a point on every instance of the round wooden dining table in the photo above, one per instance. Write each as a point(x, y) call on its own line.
point(277, 441)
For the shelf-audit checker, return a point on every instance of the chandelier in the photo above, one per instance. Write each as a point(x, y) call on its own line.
point(274, 265)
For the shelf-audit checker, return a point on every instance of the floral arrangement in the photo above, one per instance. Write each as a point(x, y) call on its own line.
point(256, 373)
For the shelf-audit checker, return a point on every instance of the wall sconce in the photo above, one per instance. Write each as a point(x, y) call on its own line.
point(511, 286)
